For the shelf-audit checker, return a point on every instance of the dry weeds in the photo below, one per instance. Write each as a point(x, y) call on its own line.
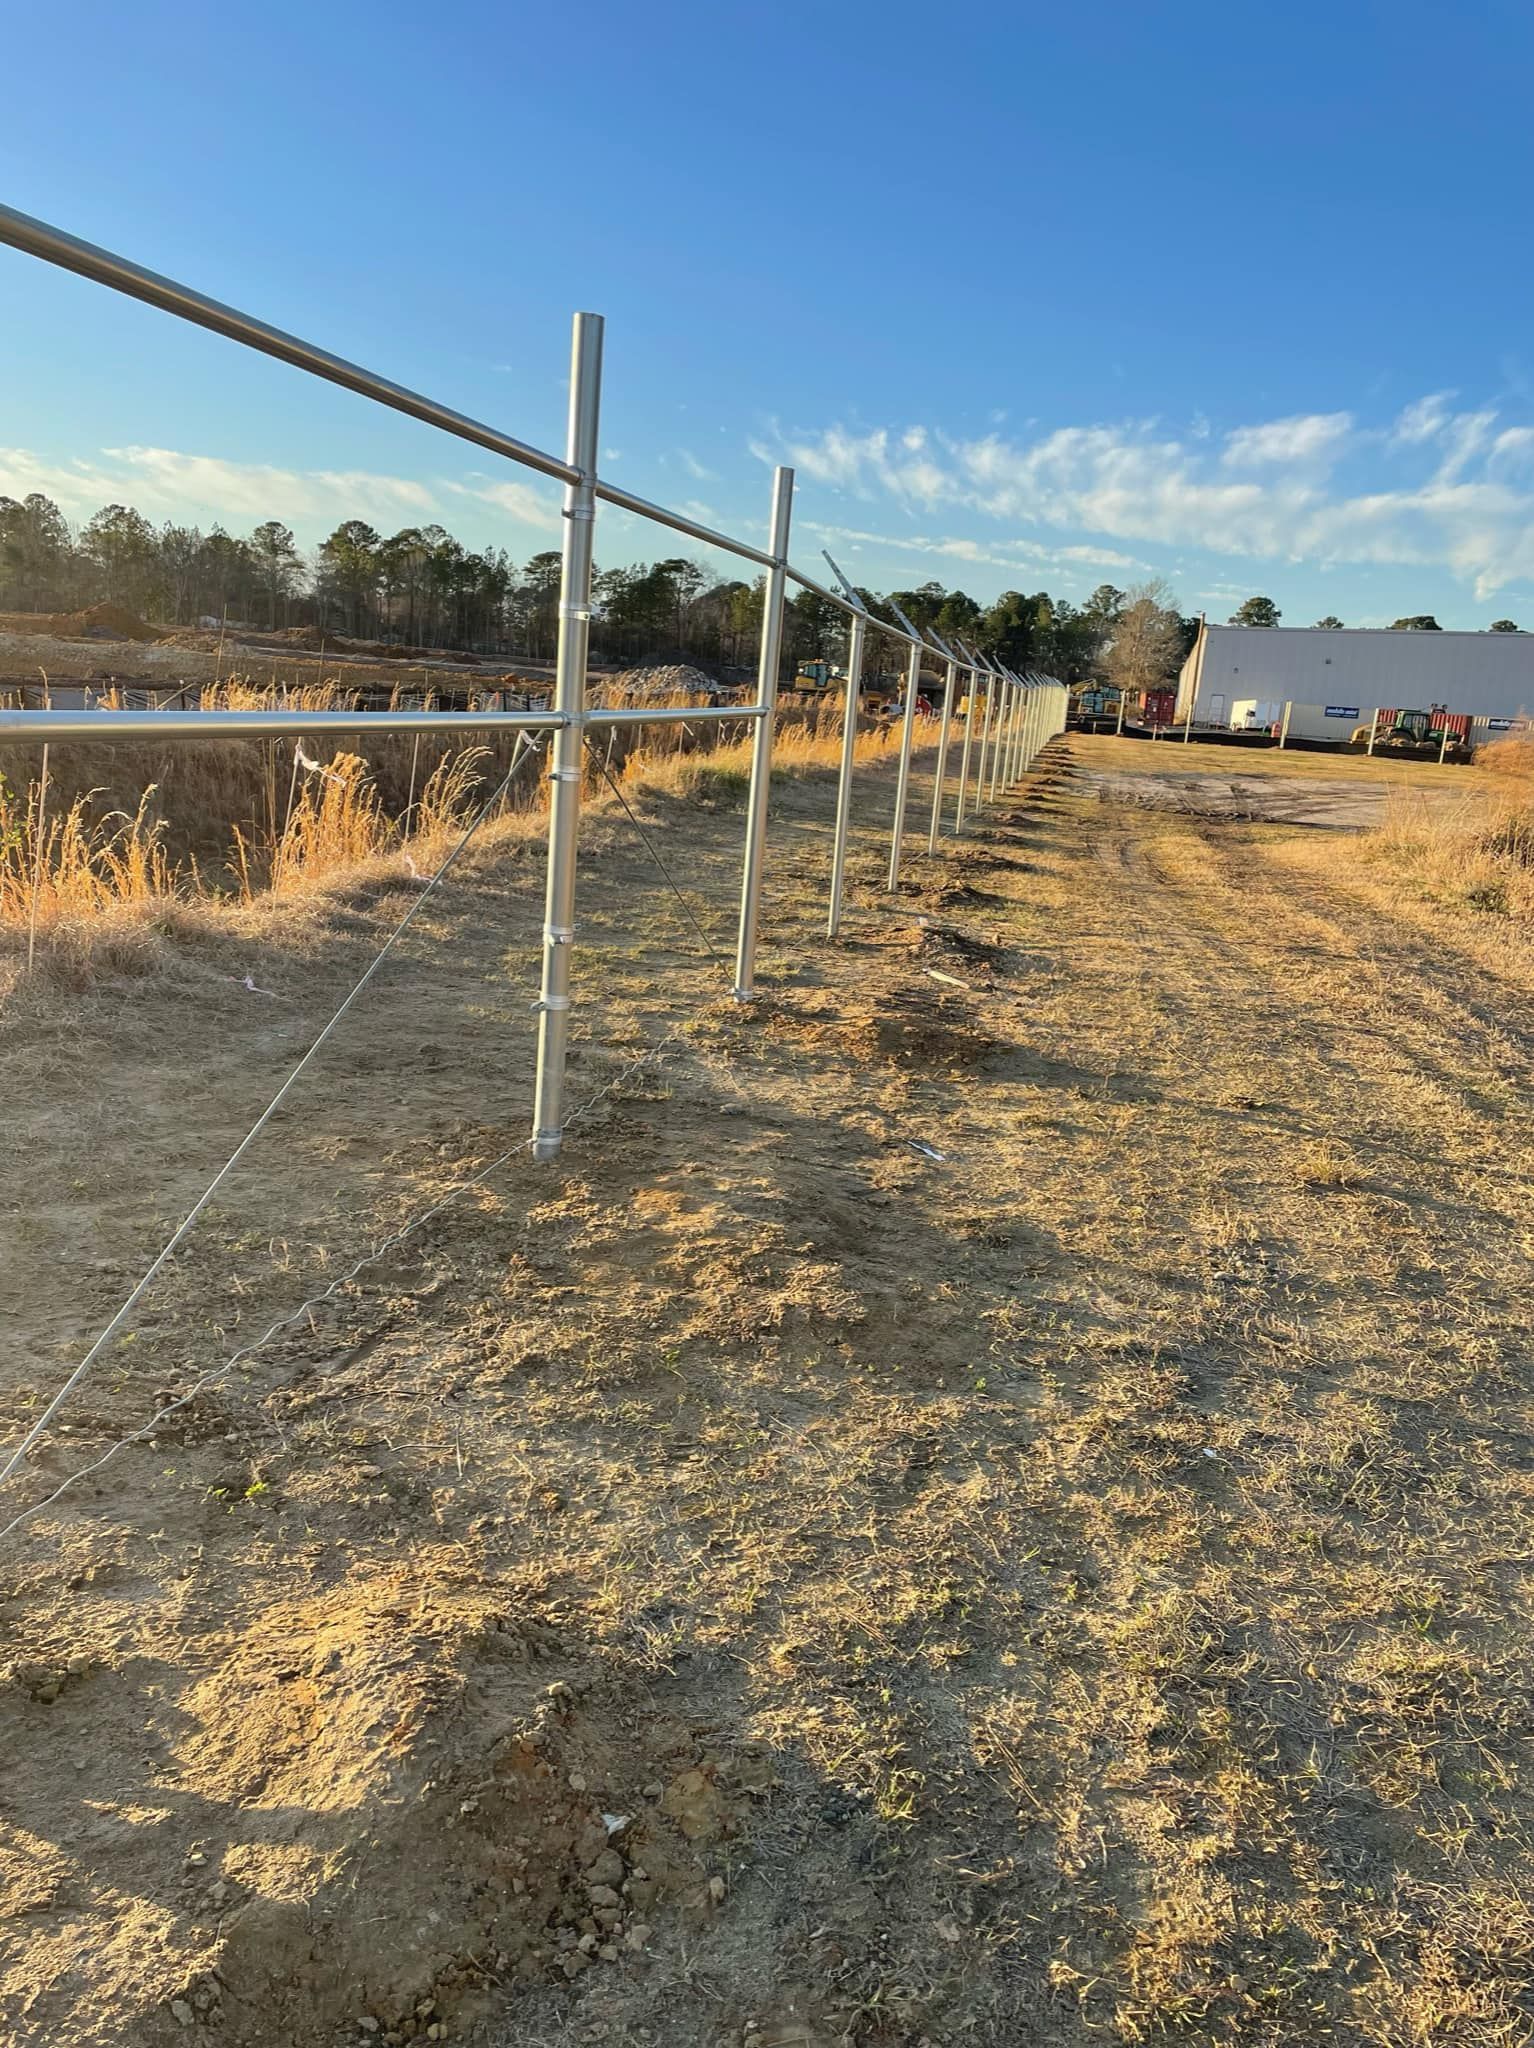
point(1477, 854)
point(88, 879)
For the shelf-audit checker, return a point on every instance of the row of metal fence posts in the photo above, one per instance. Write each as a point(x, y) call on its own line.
point(1019, 716)
point(1020, 713)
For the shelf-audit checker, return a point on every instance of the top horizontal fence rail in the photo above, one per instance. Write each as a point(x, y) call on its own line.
point(84, 724)
point(102, 266)
point(85, 259)
point(1020, 713)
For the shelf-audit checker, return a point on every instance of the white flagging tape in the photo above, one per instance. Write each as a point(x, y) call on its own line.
point(183, 1229)
point(317, 767)
point(284, 1322)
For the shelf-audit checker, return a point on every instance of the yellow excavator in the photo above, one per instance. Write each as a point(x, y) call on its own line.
point(817, 677)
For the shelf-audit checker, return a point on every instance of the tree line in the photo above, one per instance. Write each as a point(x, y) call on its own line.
point(421, 587)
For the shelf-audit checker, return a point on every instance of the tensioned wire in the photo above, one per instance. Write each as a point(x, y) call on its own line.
point(184, 1228)
point(314, 1301)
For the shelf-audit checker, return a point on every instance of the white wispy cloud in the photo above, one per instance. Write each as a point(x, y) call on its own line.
point(882, 461)
point(698, 471)
point(1422, 420)
point(167, 477)
point(1303, 438)
point(170, 483)
point(1438, 486)
point(1015, 555)
point(527, 503)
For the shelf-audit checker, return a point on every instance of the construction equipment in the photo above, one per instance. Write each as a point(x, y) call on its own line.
point(1094, 708)
point(819, 676)
point(1438, 733)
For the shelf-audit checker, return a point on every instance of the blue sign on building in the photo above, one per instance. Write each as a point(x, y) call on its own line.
point(1342, 710)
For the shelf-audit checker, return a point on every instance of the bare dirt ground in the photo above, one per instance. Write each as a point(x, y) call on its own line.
point(28, 657)
point(1341, 792)
point(754, 1581)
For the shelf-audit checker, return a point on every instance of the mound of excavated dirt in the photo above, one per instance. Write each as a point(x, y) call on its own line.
point(96, 622)
point(665, 679)
point(314, 640)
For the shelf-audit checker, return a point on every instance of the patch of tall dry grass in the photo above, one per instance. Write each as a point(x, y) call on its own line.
point(721, 774)
point(253, 820)
point(63, 861)
point(1477, 852)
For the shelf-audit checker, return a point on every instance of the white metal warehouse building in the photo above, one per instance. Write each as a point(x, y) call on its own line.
point(1334, 680)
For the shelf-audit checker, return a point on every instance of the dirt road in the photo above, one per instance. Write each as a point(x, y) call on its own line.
point(986, 1498)
point(1339, 792)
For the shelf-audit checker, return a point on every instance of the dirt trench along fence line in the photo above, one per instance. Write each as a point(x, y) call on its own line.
point(1008, 716)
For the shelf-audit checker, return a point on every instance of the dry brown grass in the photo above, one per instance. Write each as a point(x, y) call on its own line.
point(94, 868)
point(1081, 1583)
point(1477, 852)
point(721, 776)
point(56, 864)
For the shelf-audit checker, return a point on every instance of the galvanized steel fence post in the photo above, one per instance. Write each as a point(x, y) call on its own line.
point(985, 737)
point(903, 779)
point(761, 753)
point(1003, 720)
point(570, 701)
point(949, 687)
point(970, 695)
point(855, 640)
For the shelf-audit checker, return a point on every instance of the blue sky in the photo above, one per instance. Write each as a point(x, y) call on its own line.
point(1031, 297)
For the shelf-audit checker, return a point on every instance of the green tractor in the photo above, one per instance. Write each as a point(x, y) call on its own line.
point(1416, 732)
